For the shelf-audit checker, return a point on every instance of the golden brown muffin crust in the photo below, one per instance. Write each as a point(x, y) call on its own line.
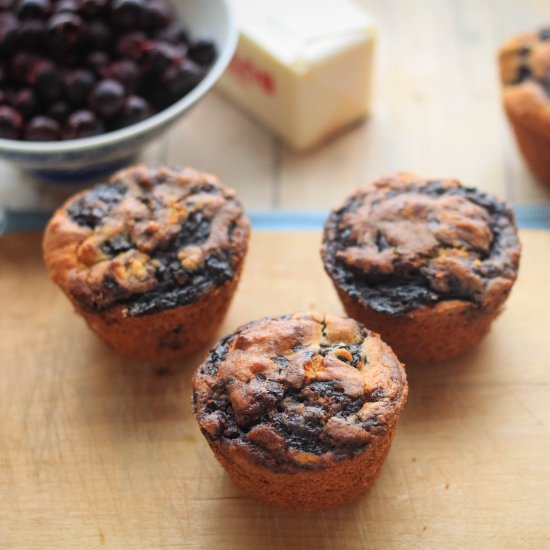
point(525, 76)
point(150, 239)
point(406, 242)
point(299, 391)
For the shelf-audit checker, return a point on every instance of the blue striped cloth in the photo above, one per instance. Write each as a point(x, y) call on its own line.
point(16, 221)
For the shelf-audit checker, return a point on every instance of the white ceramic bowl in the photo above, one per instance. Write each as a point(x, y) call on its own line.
point(74, 160)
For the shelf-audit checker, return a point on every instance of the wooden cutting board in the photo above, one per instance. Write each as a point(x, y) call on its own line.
point(101, 452)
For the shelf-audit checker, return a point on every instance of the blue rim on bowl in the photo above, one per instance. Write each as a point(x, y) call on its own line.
point(87, 157)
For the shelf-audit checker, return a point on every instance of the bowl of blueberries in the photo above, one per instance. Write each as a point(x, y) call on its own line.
point(85, 84)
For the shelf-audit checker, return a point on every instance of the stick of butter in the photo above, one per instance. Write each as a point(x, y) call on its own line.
point(302, 67)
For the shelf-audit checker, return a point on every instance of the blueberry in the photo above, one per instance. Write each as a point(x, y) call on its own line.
point(83, 124)
point(11, 123)
point(131, 45)
point(174, 33)
point(159, 14)
point(117, 245)
point(8, 97)
point(46, 79)
point(21, 64)
point(92, 8)
point(8, 20)
point(42, 128)
point(523, 73)
point(33, 9)
point(158, 57)
point(31, 35)
point(124, 71)
point(107, 98)
point(78, 85)
point(59, 111)
point(544, 34)
point(181, 78)
point(98, 35)
point(134, 110)
point(25, 102)
point(97, 61)
point(70, 6)
point(8, 30)
point(202, 51)
point(128, 14)
point(65, 33)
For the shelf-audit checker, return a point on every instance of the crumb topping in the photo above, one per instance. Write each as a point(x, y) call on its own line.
point(406, 242)
point(299, 390)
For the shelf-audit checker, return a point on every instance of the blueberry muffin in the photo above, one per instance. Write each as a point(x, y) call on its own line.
point(426, 263)
point(525, 76)
point(300, 409)
point(151, 259)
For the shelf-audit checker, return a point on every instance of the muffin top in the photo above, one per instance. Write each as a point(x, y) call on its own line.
point(406, 242)
point(525, 75)
point(149, 240)
point(299, 391)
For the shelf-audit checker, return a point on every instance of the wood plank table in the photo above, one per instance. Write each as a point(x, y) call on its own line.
point(101, 452)
point(436, 112)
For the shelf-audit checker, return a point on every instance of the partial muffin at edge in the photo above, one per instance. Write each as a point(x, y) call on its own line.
point(525, 76)
point(151, 259)
point(426, 263)
point(300, 409)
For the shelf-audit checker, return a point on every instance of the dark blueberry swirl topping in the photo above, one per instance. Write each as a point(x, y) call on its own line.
point(154, 239)
point(295, 389)
point(405, 242)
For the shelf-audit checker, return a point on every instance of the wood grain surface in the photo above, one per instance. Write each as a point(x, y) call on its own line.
point(437, 111)
point(101, 452)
